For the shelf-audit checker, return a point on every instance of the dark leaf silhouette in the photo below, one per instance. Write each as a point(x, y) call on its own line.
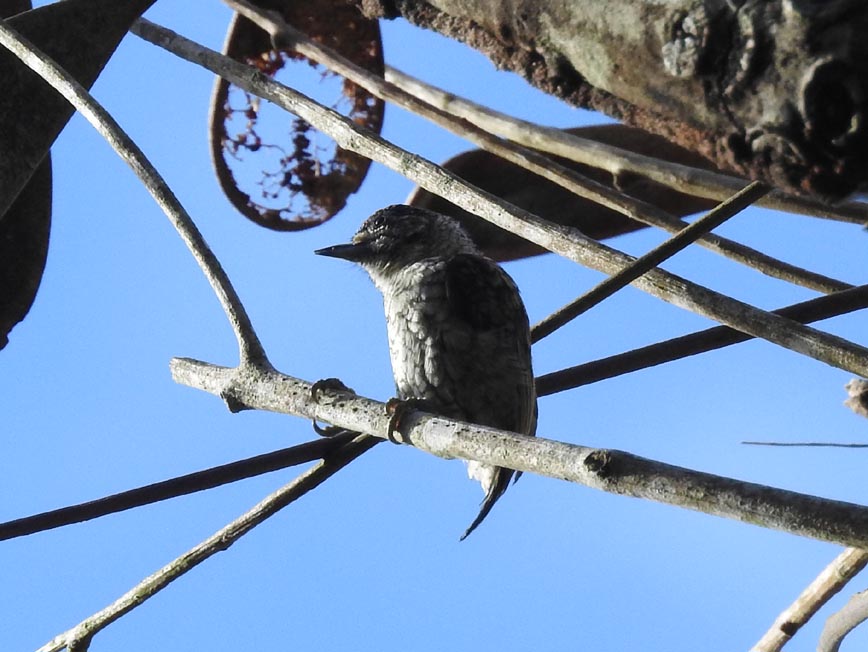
point(554, 203)
point(80, 35)
point(279, 176)
point(23, 248)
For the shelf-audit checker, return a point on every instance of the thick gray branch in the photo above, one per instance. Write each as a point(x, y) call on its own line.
point(776, 89)
point(608, 470)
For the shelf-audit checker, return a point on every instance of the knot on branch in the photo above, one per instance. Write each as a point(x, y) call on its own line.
point(232, 402)
point(600, 463)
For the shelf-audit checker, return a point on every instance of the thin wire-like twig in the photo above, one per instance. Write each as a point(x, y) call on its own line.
point(825, 586)
point(715, 217)
point(570, 243)
point(180, 486)
point(616, 160)
point(286, 35)
point(250, 348)
point(79, 637)
point(807, 444)
point(710, 339)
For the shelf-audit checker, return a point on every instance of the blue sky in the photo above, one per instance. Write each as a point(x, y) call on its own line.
point(371, 560)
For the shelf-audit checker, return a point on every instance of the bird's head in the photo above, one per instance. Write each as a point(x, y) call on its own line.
point(398, 236)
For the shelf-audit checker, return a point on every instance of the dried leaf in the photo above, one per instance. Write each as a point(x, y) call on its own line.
point(270, 164)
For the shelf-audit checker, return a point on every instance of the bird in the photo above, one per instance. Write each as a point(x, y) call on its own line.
point(459, 336)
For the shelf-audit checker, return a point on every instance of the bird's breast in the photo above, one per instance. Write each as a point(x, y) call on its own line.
point(416, 312)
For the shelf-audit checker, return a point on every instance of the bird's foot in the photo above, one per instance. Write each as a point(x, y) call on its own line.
point(397, 409)
point(334, 385)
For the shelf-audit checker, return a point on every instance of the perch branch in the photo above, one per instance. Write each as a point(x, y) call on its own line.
point(826, 585)
point(569, 243)
point(607, 470)
point(250, 348)
point(615, 160)
point(78, 638)
point(285, 35)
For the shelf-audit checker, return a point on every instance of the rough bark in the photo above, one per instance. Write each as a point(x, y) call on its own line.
point(770, 89)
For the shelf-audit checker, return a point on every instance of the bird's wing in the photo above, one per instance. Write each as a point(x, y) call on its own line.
point(483, 298)
point(495, 371)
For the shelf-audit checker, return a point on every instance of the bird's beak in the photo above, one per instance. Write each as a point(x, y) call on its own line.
point(355, 252)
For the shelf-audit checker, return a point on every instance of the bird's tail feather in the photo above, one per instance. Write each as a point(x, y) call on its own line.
point(495, 489)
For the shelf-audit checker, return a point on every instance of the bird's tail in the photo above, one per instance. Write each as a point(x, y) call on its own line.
point(494, 481)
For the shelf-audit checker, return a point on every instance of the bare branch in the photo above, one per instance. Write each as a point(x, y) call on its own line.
point(284, 34)
point(826, 585)
point(570, 243)
point(607, 288)
point(249, 346)
point(180, 486)
point(710, 339)
point(854, 613)
point(615, 160)
point(79, 637)
point(607, 470)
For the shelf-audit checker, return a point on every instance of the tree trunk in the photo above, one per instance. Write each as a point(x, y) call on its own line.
point(770, 89)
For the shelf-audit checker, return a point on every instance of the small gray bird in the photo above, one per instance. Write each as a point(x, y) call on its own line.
point(458, 332)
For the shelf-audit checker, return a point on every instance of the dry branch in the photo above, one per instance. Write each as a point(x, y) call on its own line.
point(78, 638)
point(251, 352)
point(710, 339)
point(840, 624)
point(179, 486)
point(826, 585)
point(616, 160)
point(607, 470)
point(687, 236)
point(827, 348)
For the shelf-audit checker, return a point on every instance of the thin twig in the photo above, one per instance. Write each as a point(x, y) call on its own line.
point(285, 35)
point(79, 636)
point(607, 470)
point(710, 339)
point(807, 444)
point(570, 243)
point(840, 624)
point(826, 585)
point(615, 160)
point(250, 348)
point(715, 217)
point(180, 486)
